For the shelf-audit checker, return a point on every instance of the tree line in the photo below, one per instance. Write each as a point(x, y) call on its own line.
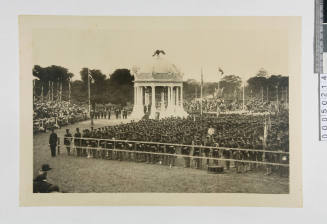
point(261, 85)
point(117, 88)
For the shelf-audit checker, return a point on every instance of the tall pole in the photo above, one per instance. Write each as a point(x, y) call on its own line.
point(89, 91)
point(61, 90)
point(218, 85)
point(243, 96)
point(262, 94)
point(69, 90)
point(34, 90)
point(267, 94)
point(52, 91)
point(57, 89)
point(277, 95)
point(49, 91)
point(89, 88)
point(42, 92)
point(201, 91)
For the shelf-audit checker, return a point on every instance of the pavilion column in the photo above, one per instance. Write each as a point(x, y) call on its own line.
point(140, 96)
point(162, 104)
point(182, 103)
point(174, 98)
point(137, 108)
point(135, 88)
point(177, 96)
point(168, 97)
point(153, 102)
point(153, 96)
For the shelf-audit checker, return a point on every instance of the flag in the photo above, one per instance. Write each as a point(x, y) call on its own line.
point(90, 76)
point(201, 90)
point(221, 72)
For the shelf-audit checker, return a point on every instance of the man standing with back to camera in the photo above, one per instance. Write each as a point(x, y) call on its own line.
point(53, 142)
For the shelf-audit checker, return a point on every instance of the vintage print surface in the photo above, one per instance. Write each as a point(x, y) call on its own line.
point(162, 108)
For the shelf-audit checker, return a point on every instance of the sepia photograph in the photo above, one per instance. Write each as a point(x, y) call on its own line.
point(146, 105)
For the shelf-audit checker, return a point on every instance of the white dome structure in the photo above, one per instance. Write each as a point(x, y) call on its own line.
point(159, 69)
point(158, 90)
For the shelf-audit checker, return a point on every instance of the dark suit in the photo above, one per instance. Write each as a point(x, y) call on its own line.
point(53, 143)
point(43, 187)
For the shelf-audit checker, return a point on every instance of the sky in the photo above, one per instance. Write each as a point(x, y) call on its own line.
point(239, 45)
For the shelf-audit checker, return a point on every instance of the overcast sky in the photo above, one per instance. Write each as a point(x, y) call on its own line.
point(239, 45)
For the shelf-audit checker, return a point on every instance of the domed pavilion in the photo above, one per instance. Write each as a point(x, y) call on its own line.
point(158, 90)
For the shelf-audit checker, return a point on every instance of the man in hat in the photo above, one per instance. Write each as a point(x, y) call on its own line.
point(186, 150)
point(109, 113)
point(77, 142)
point(40, 183)
point(53, 142)
point(67, 141)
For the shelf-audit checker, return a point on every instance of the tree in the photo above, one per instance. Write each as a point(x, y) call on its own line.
point(190, 88)
point(56, 74)
point(230, 84)
point(120, 85)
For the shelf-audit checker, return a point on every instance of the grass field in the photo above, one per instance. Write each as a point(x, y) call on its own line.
point(74, 174)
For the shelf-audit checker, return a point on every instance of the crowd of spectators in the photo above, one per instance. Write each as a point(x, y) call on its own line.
point(235, 133)
point(55, 114)
point(213, 105)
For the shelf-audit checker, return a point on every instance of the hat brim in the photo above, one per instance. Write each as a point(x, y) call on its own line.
point(46, 169)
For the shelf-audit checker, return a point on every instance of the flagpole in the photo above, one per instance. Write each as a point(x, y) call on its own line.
point(69, 90)
point(267, 95)
point(49, 92)
point(262, 94)
point(277, 94)
point(57, 89)
point(34, 90)
point(52, 91)
point(42, 92)
point(89, 91)
point(89, 88)
point(218, 85)
point(61, 90)
point(243, 96)
point(201, 90)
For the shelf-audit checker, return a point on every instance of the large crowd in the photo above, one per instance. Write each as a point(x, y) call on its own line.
point(55, 114)
point(236, 134)
point(213, 105)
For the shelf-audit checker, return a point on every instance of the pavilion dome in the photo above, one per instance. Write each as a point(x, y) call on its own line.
point(159, 68)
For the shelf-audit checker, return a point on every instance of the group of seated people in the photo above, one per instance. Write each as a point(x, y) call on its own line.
point(55, 114)
point(233, 138)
